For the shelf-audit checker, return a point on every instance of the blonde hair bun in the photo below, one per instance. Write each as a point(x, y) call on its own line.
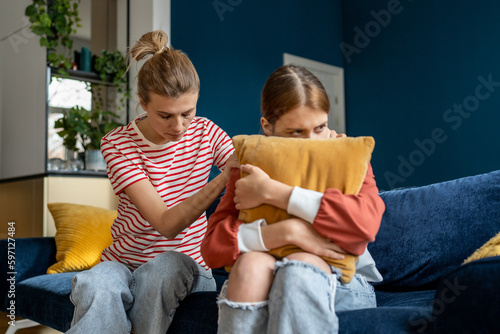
point(166, 72)
point(151, 43)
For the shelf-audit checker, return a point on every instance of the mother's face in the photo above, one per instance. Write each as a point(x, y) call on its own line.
point(301, 122)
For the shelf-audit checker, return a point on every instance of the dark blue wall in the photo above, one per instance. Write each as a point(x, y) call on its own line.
point(405, 85)
point(236, 47)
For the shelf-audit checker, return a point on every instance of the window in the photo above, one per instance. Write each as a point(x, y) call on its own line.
point(63, 95)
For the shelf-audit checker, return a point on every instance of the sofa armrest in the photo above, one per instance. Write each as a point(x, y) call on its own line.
point(32, 258)
point(427, 232)
point(468, 299)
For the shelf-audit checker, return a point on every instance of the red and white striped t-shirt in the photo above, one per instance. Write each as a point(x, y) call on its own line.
point(177, 170)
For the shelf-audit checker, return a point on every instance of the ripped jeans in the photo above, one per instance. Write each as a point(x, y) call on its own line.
point(303, 299)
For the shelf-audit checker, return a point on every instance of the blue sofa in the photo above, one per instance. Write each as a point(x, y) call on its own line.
point(425, 235)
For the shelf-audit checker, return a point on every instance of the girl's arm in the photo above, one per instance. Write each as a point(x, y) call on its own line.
point(351, 221)
point(170, 222)
point(222, 244)
point(127, 176)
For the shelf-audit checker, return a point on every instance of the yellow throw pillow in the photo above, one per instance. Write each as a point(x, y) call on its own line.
point(489, 249)
point(315, 164)
point(82, 234)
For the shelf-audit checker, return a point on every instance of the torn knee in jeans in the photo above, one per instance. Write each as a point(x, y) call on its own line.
point(222, 300)
point(242, 305)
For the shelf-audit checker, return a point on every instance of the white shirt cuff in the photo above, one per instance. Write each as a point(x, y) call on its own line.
point(366, 266)
point(250, 237)
point(304, 203)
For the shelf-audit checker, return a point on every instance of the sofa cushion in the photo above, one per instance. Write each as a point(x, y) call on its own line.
point(422, 298)
point(489, 249)
point(83, 232)
point(33, 257)
point(45, 299)
point(398, 320)
point(467, 300)
point(197, 313)
point(315, 164)
point(428, 231)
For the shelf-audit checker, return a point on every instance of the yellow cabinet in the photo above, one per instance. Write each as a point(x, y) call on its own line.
point(24, 201)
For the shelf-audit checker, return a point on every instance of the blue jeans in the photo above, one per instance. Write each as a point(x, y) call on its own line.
point(109, 298)
point(303, 299)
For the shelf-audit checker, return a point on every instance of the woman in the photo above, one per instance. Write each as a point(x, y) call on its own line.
point(158, 166)
point(300, 293)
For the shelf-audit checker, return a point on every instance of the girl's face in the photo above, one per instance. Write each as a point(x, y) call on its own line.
point(168, 119)
point(301, 122)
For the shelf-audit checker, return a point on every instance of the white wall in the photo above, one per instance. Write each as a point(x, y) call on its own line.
point(23, 94)
point(145, 16)
point(23, 83)
point(1, 103)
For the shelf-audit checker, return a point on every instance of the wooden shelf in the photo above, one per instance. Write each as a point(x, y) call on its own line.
point(81, 75)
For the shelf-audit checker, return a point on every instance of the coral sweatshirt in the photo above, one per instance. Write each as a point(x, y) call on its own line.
point(351, 221)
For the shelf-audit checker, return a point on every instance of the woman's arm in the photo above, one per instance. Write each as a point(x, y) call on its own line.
point(170, 222)
point(351, 221)
point(220, 246)
point(298, 232)
point(258, 188)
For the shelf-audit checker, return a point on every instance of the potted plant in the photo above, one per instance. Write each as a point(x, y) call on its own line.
point(111, 67)
point(55, 21)
point(85, 127)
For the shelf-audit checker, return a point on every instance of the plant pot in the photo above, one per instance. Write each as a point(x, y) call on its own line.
point(94, 160)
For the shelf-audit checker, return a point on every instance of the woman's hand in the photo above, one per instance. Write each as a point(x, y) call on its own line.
point(232, 162)
point(250, 190)
point(334, 134)
point(258, 188)
point(303, 235)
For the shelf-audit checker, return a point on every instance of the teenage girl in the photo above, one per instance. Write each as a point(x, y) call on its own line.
point(300, 293)
point(159, 166)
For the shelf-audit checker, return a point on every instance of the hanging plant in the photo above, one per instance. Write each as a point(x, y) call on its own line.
point(112, 67)
point(55, 21)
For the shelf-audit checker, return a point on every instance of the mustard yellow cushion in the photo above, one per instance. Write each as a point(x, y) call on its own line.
point(82, 233)
point(489, 249)
point(315, 164)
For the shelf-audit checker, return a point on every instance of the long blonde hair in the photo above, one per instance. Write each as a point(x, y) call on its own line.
point(289, 87)
point(168, 72)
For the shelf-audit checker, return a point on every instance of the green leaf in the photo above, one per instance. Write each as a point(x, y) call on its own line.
point(62, 72)
point(60, 23)
point(44, 42)
point(45, 20)
point(30, 10)
point(52, 57)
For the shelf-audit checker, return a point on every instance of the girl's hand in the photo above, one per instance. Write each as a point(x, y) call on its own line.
point(250, 190)
point(334, 134)
point(232, 162)
point(306, 237)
